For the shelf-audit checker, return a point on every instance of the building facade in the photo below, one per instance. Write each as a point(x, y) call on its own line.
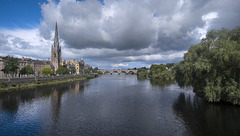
point(37, 66)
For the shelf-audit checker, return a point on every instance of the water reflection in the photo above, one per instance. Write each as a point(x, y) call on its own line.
point(142, 78)
point(78, 87)
point(114, 105)
point(56, 98)
point(28, 106)
point(203, 118)
point(9, 102)
point(160, 82)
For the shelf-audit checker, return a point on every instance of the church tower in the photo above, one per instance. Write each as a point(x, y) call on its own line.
point(56, 56)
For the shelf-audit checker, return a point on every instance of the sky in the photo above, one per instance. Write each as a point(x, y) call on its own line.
point(112, 34)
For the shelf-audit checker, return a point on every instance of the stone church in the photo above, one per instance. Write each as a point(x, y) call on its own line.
point(54, 63)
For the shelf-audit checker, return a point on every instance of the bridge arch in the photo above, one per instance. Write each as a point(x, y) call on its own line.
point(119, 71)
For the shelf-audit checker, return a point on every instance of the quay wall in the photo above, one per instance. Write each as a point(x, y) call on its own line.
point(40, 78)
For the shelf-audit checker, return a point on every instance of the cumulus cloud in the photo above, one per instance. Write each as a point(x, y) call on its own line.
point(130, 33)
point(28, 43)
point(125, 25)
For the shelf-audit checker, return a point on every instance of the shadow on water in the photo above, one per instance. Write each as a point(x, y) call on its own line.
point(203, 118)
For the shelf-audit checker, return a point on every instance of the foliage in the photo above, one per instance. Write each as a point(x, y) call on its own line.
point(86, 71)
point(95, 70)
point(160, 72)
point(37, 82)
point(90, 76)
point(160, 82)
point(212, 67)
point(62, 70)
point(142, 72)
point(170, 65)
point(13, 85)
point(3, 85)
point(73, 71)
point(26, 70)
point(47, 71)
point(11, 66)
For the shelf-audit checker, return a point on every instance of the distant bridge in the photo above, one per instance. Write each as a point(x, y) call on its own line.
point(118, 71)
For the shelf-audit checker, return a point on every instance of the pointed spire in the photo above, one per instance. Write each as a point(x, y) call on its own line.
point(56, 35)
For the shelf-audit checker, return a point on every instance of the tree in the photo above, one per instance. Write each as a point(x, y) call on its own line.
point(47, 71)
point(160, 72)
point(142, 72)
point(170, 65)
point(26, 70)
point(95, 70)
point(86, 71)
point(62, 70)
point(73, 71)
point(11, 66)
point(212, 67)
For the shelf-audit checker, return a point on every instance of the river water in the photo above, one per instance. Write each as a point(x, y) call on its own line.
point(114, 105)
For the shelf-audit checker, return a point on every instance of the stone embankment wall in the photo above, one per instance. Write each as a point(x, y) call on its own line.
point(42, 78)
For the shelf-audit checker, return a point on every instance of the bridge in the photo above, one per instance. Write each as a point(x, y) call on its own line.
point(118, 71)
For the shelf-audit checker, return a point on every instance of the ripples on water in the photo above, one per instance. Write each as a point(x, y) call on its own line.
point(114, 105)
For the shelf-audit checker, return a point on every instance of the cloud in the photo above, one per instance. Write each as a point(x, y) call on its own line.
point(207, 18)
point(134, 33)
point(119, 65)
point(3, 40)
point(27, 43)
point(126, 25)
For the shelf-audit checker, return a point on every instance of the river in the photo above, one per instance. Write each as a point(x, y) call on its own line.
point(114, 105)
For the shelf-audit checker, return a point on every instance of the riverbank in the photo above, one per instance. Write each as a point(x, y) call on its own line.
point(20, 86)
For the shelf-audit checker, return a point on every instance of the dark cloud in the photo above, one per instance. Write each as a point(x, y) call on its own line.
point(125, 25)
point(124, 32)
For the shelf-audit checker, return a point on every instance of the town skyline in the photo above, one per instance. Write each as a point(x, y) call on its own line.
point(111, 34)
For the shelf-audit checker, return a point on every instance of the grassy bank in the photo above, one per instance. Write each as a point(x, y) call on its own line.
point(22, 86)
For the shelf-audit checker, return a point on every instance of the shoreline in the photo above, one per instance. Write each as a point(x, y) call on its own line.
point(35, 84)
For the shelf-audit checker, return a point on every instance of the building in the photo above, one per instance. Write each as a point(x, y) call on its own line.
point(56, 55)
point(54, 63)
point(76, 66)
point(37, 65)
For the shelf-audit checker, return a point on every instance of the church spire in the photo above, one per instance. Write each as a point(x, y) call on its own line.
point(56, 35)
point(56, 55)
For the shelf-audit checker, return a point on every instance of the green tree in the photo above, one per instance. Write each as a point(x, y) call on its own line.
point(86, 71)
point(11, 66)
point(95, 70)
point(142, 72)
point(212, 67)
point(26, 70)
point(73, 71)
point(160, 72)
point(47, 71)
point(170, 65)
point(62, 70)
